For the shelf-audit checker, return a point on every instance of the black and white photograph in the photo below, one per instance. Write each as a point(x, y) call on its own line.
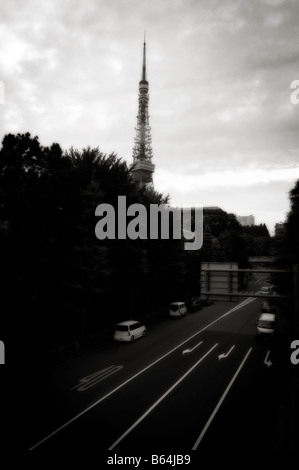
point(149, 230)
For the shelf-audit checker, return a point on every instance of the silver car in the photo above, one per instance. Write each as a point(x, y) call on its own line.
point(129, 331)
point(266, 324)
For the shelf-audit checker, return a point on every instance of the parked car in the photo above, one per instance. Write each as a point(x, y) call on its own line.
point(194, 304)
point(129, 330)
point(177, 309)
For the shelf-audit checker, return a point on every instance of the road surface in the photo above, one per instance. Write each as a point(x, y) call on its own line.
point(202, 383)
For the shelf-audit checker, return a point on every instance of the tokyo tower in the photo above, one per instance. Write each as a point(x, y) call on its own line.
point(142, 168)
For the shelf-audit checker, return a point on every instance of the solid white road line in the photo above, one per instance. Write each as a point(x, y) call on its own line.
point(160, 399)
point(220, 402)
point(242, 304)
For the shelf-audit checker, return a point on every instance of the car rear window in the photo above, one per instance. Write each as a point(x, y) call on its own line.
point(174, 308)
point(121, 328)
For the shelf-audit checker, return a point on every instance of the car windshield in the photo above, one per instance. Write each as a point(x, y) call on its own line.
point(266, 324)
point(121, 328)
point(174, 308)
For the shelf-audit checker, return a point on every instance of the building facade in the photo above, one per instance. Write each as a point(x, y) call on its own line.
point(246, 219)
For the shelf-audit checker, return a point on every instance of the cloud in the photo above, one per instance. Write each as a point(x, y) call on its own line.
point(227, 178)
point(219, 76)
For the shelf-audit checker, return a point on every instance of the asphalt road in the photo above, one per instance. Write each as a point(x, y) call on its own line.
point(201, 383)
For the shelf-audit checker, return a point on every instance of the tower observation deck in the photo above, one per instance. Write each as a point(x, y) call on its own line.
point(142, 168)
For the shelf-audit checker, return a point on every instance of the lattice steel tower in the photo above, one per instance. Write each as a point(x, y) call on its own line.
point(142, 167)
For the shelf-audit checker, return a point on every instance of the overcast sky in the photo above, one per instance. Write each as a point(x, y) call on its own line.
point(224, 130)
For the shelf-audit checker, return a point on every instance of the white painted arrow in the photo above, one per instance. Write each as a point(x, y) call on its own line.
point(266, 361)
point(186, 351)
point(223, 355)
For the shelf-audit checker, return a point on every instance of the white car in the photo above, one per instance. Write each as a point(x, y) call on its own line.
point(129, 331)
point(265, 290)
point(266, 324)
point(177, 309)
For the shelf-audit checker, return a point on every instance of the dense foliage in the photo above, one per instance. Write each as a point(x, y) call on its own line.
point(286, 245)
point(61, 282)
